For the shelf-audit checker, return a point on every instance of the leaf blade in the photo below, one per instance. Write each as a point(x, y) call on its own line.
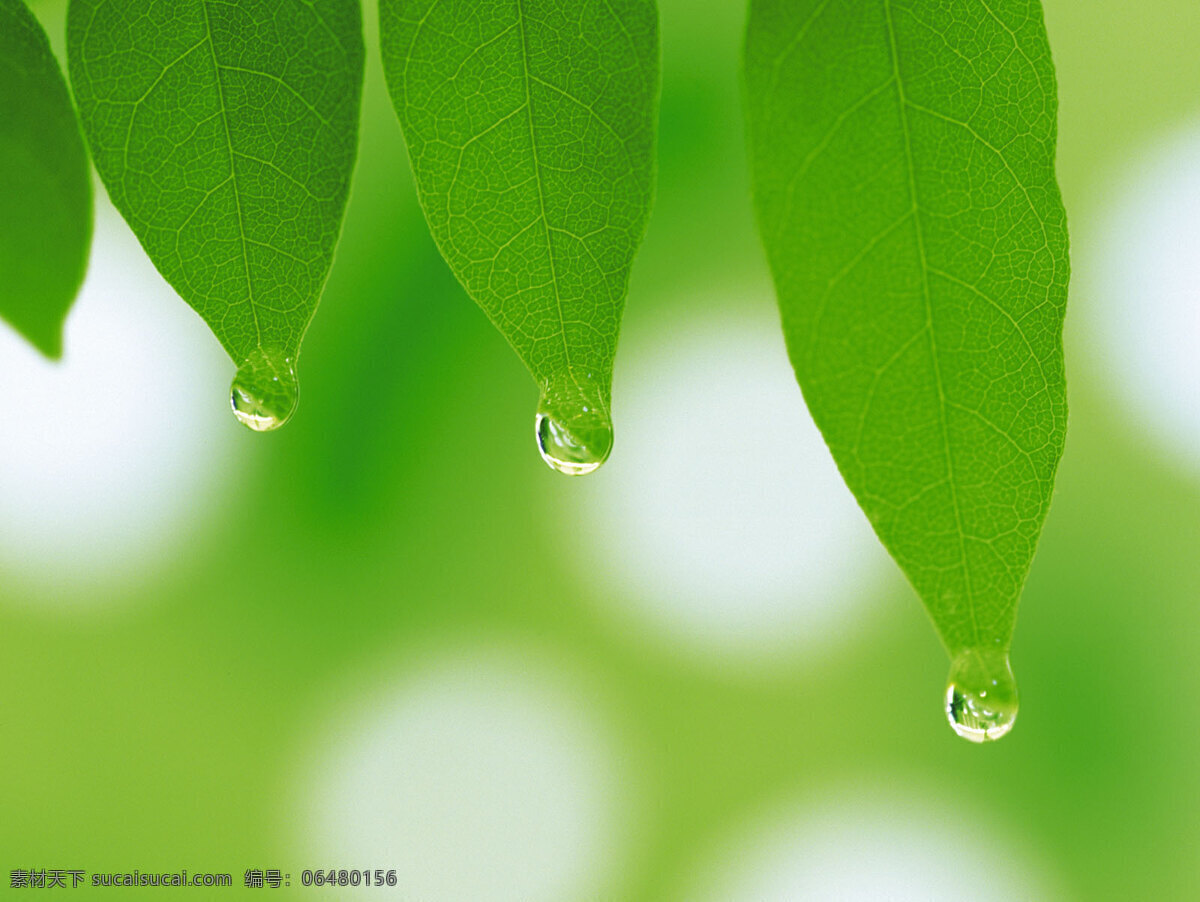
point(903, 159)
point(45, 186)
point(226, 135)
point(531, 126)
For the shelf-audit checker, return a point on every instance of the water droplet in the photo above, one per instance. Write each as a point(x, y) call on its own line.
point(574, 433)
point(981, 695)
point(575, 449)
point(265, 391)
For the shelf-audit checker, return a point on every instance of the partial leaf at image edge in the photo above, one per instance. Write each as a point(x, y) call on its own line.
point(530, 127)
point(903, 171)
point(45, 185)
point(226, 135)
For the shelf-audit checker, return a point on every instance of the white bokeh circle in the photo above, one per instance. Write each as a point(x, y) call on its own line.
point(109, 457)
point(475, 776)
point(868, 845)
point(721, 521)
point(1143, 282)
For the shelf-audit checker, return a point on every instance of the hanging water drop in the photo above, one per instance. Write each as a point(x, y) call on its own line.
point(265, 391)
point(981, 695)
point(574, 448)
point(574, 432)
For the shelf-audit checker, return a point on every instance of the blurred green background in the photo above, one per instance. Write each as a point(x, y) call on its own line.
point(389, 637)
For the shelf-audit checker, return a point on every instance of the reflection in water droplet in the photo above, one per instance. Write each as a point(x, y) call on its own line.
point(265, 391)
point(574, 432)
point(575, 450)
point(981, 697)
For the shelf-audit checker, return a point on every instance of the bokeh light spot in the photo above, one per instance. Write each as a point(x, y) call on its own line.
point(1143, 275)
point(110, 456)
point(476, 777)
point(721, 520)
point(867, 846)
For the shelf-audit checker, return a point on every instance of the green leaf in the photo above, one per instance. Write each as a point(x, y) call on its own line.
point(45, 187)
point(903, 169)
point(530, 127)
point(226, 135)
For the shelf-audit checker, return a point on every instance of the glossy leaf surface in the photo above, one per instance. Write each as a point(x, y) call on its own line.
point(903, 168)
point(226, 134)
point(530, 127)
point(45, 187)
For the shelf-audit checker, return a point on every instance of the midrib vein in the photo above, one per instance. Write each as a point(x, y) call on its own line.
point(237, 196)
point(937, 371)
point(537, 176)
